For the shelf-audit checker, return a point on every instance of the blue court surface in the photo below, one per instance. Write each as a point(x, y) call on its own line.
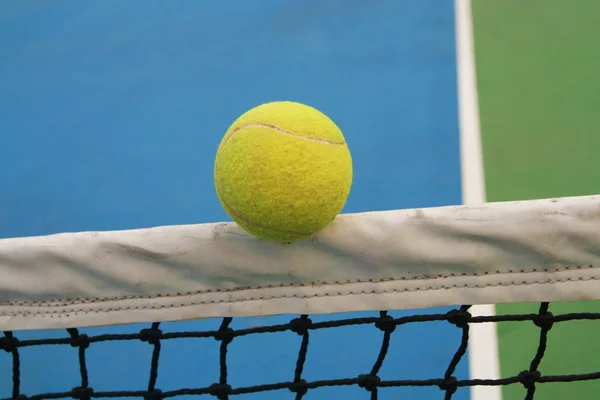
point(112, 113)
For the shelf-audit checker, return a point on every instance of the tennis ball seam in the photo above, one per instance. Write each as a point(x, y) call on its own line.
point(280, 130)
point(250, 223)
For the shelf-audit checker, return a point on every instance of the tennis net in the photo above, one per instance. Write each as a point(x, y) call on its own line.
point(302, 326)
point(69, 284)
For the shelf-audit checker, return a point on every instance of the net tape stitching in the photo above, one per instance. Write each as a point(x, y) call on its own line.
point(371, 382)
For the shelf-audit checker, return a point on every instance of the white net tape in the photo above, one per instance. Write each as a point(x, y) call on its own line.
point(540, 250)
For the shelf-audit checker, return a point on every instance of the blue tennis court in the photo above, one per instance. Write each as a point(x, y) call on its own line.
point(112, 114)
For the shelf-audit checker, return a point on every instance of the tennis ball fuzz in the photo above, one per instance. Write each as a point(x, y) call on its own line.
point(283, 171)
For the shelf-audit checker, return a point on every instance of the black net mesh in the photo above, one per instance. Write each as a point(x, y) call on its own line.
point(303, 326)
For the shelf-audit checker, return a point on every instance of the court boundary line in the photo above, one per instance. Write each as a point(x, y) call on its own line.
point(483, 351)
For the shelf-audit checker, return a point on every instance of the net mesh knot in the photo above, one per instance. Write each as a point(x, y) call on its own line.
point(156, 394)
point(82, 393)
point(299, 387)
point(150, 335)
point(9, 343)
point(219, 390)
point(529, 378)
point(369, 382)
point(458, 318)
point(449, 385)
point(224, 335)
point(545, 320)
point(386, 324)
point(82, 341)
point(300, 325)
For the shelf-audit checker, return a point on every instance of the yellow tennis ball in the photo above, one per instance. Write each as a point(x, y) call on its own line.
point(283, 171)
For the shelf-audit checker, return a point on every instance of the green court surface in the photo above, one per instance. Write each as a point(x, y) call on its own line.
point(538, 64)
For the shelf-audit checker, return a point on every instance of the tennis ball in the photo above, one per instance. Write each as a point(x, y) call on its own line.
point(283, 171)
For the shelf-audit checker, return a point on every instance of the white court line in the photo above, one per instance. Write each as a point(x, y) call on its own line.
point(483, 339)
